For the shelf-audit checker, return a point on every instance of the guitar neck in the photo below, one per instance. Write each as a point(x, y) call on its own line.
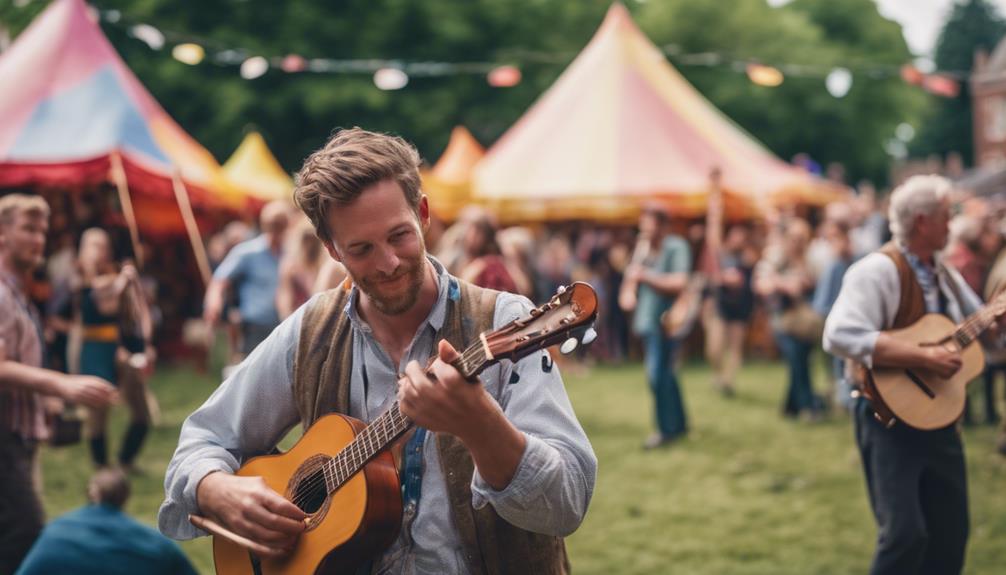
point(571, 309)
point(391, 424)
point(976, 324)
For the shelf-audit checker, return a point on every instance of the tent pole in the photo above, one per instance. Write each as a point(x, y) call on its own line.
point(119, 177)
point(182, 196)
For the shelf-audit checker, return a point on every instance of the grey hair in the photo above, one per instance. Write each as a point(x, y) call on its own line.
point(966, 229)
point(917, 196)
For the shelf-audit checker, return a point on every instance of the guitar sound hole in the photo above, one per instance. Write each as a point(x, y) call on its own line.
point(310, 493)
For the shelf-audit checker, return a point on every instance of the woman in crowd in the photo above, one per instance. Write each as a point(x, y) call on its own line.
point(784, 279)
point(735, 304)
point(116, 329)
point(299, 269)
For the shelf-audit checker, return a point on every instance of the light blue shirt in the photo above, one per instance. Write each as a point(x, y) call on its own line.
point(251, 411)
point(675, 256)
point(252, 268)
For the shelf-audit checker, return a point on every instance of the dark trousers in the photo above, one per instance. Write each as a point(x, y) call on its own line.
point(800, 394)
point(670, 409)
point(918, 491)
point(21, 515)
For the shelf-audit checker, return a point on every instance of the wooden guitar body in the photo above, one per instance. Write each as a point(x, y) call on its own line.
point(345, 529)
point(918, 397)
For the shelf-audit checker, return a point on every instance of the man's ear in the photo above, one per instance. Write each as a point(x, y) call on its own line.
point(330, 248)
point(424, 213)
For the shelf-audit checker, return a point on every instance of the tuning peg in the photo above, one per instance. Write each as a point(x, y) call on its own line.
point(561, 290)
point(569, 346)
point(589, 336)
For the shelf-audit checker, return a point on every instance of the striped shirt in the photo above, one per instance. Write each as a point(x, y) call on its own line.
point(21, 410)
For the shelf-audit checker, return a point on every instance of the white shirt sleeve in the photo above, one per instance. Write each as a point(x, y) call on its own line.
point(866, 305)
point(247, 415)
point(555, 478)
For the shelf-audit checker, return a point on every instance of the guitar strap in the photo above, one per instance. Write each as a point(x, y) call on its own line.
point(943, 271)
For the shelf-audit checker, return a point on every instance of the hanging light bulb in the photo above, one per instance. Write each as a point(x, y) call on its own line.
point(254, 67)
point(390, 79)
point(293, 63)
point(504, 77)
point(148, 35)
point(764, 75)
point(838, 82)
point(189, 53)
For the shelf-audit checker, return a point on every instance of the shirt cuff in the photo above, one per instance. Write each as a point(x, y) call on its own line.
point(525, 485)
point(199, 471)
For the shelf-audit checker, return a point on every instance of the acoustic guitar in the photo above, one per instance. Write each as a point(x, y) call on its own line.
point(342, 474)
point(918, 397)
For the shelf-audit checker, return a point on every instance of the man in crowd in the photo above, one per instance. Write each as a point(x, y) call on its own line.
point(659, 272)
point(100, 539)
point(252, 270)
point(916, 479)
point(24, 385)
point(510, 470)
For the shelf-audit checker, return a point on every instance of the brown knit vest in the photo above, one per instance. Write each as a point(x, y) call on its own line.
point(322, 373)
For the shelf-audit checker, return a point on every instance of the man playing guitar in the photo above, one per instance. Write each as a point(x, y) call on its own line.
point(915, 478)
point(534, 468)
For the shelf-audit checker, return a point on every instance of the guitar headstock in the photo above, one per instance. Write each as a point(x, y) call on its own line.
point(567, 318)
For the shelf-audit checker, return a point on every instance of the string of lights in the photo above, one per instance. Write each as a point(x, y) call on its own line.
point(394, 74)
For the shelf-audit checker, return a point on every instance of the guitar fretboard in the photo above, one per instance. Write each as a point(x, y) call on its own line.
point(975, 324)
point(388, 427)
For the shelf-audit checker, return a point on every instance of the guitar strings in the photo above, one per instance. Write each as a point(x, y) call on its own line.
point(308, 488)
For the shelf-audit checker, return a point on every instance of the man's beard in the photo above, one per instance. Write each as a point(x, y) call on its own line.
point(400, 303)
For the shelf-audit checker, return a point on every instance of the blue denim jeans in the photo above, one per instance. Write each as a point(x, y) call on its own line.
point(800, 395)
point(670, 409)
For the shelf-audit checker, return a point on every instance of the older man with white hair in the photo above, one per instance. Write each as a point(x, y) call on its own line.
point(916, 479)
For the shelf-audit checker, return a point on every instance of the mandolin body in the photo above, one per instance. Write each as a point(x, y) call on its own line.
point(918, 397)
point(352, 525)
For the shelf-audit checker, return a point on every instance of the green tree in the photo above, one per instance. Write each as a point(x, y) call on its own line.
point(972, 25)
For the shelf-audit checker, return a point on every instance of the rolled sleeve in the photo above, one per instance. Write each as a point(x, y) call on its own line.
point(538, 485)
point(554, 481)
point(865, 306)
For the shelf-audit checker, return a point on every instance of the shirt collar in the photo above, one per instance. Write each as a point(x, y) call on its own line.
point(437, 315)
point(917, 263)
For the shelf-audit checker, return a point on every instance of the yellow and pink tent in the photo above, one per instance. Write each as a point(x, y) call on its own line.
point(254, 171)
point(621, 128)
point(448, 183)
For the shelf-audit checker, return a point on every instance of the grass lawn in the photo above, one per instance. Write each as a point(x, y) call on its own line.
point(746, 493)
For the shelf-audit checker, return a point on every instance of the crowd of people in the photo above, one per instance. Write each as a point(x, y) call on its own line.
point(93, 342)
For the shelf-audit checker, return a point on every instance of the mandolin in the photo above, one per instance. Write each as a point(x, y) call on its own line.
point(918, 397)
point(342, 474)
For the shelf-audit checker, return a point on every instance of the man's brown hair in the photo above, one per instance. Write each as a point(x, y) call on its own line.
point(108, 486)
point(13, 204)
point(351, 161)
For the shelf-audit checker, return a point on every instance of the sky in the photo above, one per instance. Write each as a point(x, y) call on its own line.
point(921, 20)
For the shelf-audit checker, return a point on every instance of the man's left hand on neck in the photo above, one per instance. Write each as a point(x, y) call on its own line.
point(448, 403)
